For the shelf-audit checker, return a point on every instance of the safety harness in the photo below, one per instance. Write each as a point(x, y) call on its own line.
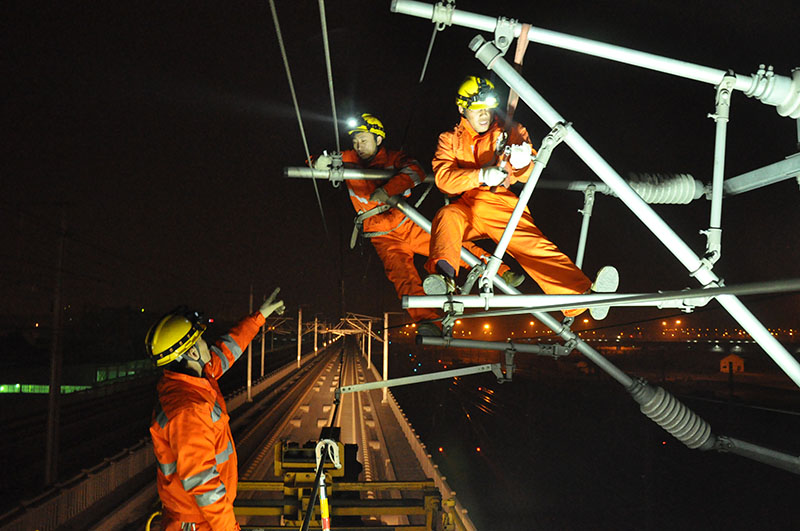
point(358, 222)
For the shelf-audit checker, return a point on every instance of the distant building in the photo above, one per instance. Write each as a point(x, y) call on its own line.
point(731, 362)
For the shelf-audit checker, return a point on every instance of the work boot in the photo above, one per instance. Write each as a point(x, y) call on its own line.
point(437, 284)
point(513, 279)
point(607, 281)
point(428, 329)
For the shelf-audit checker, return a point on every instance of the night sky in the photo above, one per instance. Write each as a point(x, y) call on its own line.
point(161, 131)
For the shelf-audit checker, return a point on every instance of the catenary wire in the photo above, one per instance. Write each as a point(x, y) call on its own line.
point(296, 106)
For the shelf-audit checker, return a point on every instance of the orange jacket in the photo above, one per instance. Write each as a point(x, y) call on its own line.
point(462, 152)
point(409, 174)
point(192, 440)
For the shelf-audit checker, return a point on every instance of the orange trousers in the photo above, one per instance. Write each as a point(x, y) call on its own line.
point(169, 524)
point(396, 250)
point(481, 213)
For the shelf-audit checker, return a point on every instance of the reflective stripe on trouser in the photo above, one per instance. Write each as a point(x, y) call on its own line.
point(485, 215)
point(396, 250)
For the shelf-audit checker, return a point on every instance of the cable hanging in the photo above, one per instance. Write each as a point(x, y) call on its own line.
point(296, 106)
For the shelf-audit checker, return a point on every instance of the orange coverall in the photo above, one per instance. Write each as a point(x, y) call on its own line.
point(396, 249)
point(192, 441)
point(481, 212)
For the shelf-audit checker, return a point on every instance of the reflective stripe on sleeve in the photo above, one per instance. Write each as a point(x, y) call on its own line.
point(199, 479)
point(225, 454)
point(169, 468)
point(228, 341)
point(210, 497)
point(215, 350)
point(216, 413)
point(162, 418)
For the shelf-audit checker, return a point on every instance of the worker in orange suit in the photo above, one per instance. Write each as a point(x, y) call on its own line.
point(197, 465)
point(396, 239)
point(475, 163)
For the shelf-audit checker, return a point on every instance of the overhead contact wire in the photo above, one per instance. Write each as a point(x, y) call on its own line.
point(324, 25)
point(296, 106)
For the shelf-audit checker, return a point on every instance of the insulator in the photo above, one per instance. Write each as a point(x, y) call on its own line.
point(669, 413)
point(666, 188)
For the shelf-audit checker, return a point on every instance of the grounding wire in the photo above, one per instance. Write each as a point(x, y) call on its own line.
point(326, 47)
point(296, 105)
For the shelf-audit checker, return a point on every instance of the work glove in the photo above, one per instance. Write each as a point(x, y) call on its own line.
point(271, 305)
point(491, 176)
point(520, 155)
point(379, 195)
point(323, 162)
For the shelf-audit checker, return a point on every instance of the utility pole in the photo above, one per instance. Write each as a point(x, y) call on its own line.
point(299, 334)
point(56, 358)
point(250, 357)
point(263, 338)
point(315, 335)
point(385, 353)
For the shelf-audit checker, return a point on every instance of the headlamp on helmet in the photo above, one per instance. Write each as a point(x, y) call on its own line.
point(173, 335)
point(368, 123)
point(477, 93)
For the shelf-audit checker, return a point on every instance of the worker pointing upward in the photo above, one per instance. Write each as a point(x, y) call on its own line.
point(396, 239)
point(197, 466)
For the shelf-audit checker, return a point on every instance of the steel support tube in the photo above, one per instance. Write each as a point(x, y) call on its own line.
point(659, 228)
point(481, 345)
point(303, 172)
point(406, 380)
point(775, 90)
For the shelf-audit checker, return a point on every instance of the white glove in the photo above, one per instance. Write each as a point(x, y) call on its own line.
point(520, 155)
point(323, 162)
point(491, 176)
point(379, 195)
point(268, 306)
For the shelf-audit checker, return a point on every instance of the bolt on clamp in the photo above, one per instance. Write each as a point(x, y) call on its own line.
point(723, 98)
point(337, 169)
point(443, 14)
point(504, 33)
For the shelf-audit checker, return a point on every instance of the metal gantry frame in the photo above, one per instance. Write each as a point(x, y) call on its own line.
point(780, 91)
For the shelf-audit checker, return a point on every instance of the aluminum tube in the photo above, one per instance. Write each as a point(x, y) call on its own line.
point(579, 44)
point(347, 173)
point(761, 454)
point(521, 301)
point(788, 168)
point(406, 380)
point(481, 345)
point(586, 214)
point(645, 213)
point(761, 335)
point(719, 174)
point(516, 214)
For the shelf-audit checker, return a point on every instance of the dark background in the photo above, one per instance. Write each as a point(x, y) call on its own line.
point(160, 132)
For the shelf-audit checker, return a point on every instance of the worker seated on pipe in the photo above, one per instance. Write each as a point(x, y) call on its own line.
point(396, 239)
point(192, 441)
point(475, 163)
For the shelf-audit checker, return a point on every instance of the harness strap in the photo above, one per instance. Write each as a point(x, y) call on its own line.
point(359, 221)
point(522, 45)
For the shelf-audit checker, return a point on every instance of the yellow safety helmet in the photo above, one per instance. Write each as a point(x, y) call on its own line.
point(173, 335)
point(477, 93)
point(367, 123)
